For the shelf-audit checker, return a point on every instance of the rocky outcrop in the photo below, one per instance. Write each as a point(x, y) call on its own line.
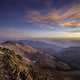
point(13, 67)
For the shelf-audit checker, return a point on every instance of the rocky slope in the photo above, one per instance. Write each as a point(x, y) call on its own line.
point(13, 67)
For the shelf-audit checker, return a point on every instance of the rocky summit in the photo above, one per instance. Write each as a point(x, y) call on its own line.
point(13, 67)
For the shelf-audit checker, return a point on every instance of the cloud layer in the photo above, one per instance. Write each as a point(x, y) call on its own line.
point(70, 17)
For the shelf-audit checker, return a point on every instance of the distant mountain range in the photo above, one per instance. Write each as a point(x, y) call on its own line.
point(50, 43)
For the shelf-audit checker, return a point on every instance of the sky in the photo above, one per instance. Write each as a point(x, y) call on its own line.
point(22, 19)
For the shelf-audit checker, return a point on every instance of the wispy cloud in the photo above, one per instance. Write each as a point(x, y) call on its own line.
point(12, 33)
point(59, 17)
point(51, 17)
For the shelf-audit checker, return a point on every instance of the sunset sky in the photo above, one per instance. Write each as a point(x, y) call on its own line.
point(22, 19)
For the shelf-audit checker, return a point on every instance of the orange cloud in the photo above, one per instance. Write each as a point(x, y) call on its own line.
point(72, 24)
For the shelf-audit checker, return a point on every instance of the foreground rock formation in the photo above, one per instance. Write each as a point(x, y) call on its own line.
point(13, 67)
